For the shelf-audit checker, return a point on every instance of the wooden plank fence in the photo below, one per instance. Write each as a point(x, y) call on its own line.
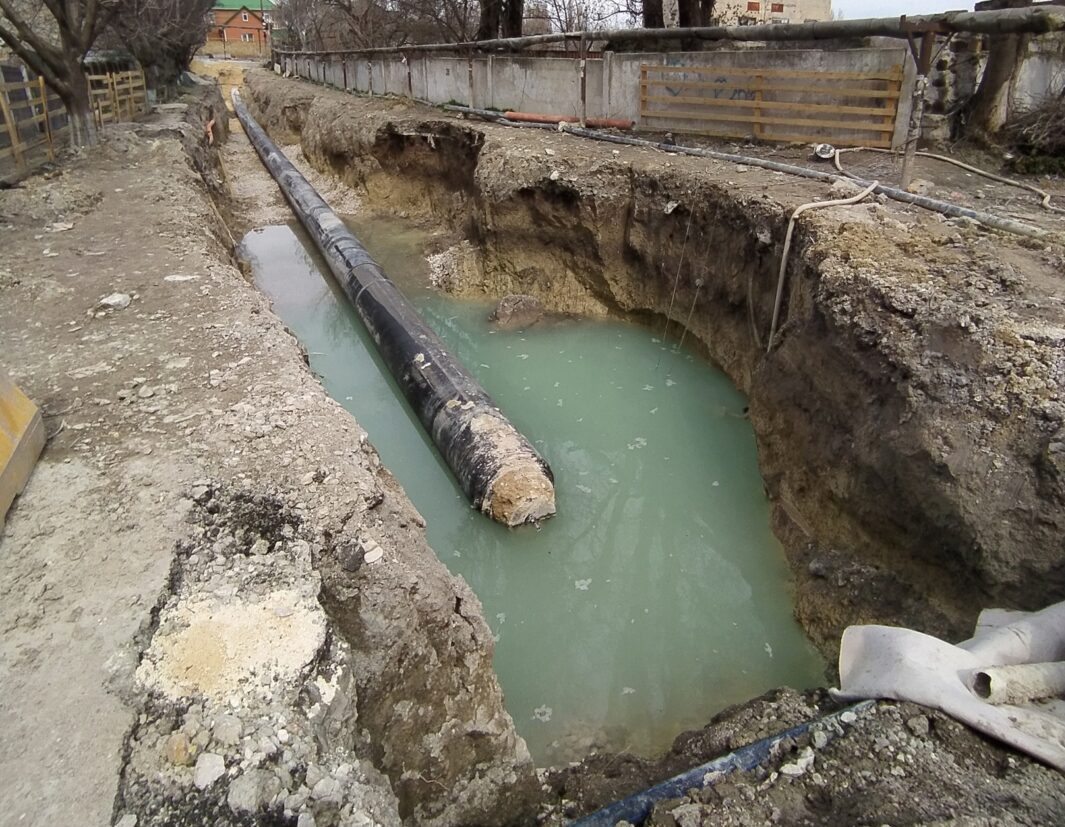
point(118, 96)
point(843, 108)
point(29, 112)
point(33, 120)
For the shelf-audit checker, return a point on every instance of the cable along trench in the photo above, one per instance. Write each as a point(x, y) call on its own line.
point(495, 465)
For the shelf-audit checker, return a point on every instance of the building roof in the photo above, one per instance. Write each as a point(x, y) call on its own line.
point(250, 5)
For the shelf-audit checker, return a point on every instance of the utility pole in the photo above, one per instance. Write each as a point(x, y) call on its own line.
point(262, 28)
point(922, 58)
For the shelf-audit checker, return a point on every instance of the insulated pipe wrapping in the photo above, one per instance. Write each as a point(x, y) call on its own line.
point(1020, 683)
point(494, 464)
point(1038, 637)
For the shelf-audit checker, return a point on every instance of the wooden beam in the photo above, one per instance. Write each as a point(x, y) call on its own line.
point(789, 106)
point(837, 91)
point(12, 130)
point(769, 73)
point(777, 136)
point(855, 126)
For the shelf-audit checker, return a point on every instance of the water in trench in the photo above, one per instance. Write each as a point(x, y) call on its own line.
point(658, 595)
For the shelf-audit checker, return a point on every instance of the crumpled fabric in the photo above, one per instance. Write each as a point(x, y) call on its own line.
point(904, 665)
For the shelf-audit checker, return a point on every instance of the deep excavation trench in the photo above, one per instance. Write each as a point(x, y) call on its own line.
point(658, 595)
point(876, 418)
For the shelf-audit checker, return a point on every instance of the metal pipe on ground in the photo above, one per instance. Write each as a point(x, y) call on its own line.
point(1039, 20)
point(996, 222)
point(497, 468)
point(595, 123)
point(946, 208)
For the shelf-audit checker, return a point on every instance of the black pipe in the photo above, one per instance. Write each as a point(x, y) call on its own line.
point(494, 464)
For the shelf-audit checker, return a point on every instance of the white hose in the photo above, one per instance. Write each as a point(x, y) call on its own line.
point(1019, 683)
point(1043, 194)
point(813, 205)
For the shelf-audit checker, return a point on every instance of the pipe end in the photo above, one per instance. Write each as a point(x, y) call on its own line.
point(520, 495)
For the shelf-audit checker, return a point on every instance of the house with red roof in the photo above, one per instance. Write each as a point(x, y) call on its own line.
point(240, 27)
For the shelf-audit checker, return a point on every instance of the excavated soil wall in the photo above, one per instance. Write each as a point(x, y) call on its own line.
point(909, 418)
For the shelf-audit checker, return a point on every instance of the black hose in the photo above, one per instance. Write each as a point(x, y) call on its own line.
point(494, 464)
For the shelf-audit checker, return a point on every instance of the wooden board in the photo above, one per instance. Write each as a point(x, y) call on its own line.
point(22, 439)
point(843, 108)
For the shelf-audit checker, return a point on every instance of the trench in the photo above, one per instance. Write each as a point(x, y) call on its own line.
point(658, 595)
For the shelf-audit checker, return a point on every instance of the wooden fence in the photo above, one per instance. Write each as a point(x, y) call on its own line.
point(32, 117)
point(33, 120)
point(118, 96)
point(844, 108)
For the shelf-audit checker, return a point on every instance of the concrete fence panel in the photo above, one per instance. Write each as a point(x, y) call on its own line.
point(552, 85)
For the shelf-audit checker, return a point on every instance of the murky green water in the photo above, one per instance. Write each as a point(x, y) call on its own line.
point(657, 595)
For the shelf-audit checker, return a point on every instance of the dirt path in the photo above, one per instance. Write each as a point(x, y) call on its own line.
point(89, 546)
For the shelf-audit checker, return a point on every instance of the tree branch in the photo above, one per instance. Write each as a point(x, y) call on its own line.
point(34, 61)
point(30, 38)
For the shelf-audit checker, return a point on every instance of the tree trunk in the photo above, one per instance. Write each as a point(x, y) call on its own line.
point(512, 17)
point(488, 28)
point(78, 103)
point(987, 110)
point(652, 14)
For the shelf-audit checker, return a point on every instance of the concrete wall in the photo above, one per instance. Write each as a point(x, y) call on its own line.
point(553, 85)
point(957, 73)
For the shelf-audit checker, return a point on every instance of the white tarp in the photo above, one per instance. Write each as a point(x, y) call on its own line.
point(904, 665)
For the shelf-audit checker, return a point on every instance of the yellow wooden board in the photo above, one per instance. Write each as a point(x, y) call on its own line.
point(22, 438)
point(840, 112)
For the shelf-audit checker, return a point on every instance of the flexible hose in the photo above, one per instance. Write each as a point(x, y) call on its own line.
point(638, 806)
point(813, 205)
point(1043, 194)
point(946, 208)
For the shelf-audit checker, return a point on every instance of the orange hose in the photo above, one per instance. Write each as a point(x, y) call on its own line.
point(596, 123)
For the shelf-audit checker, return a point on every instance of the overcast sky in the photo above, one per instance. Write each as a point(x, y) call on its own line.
point(892, 8)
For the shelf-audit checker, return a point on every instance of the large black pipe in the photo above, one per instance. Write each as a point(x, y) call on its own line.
point(495, 465)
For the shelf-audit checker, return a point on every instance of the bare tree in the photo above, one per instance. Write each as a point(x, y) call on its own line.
point(695, 12)
point(987, 108)
point(513, 12)
point(52, 37)
point(653, 17)
point(360, 24)
point(162, 34)
point(488, 25)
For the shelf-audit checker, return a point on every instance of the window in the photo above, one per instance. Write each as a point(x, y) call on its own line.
point(752, 5)
point(246, 37)
point(777, 8)
point(244, 16)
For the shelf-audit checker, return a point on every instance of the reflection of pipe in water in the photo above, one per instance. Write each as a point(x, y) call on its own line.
point(494, 464)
